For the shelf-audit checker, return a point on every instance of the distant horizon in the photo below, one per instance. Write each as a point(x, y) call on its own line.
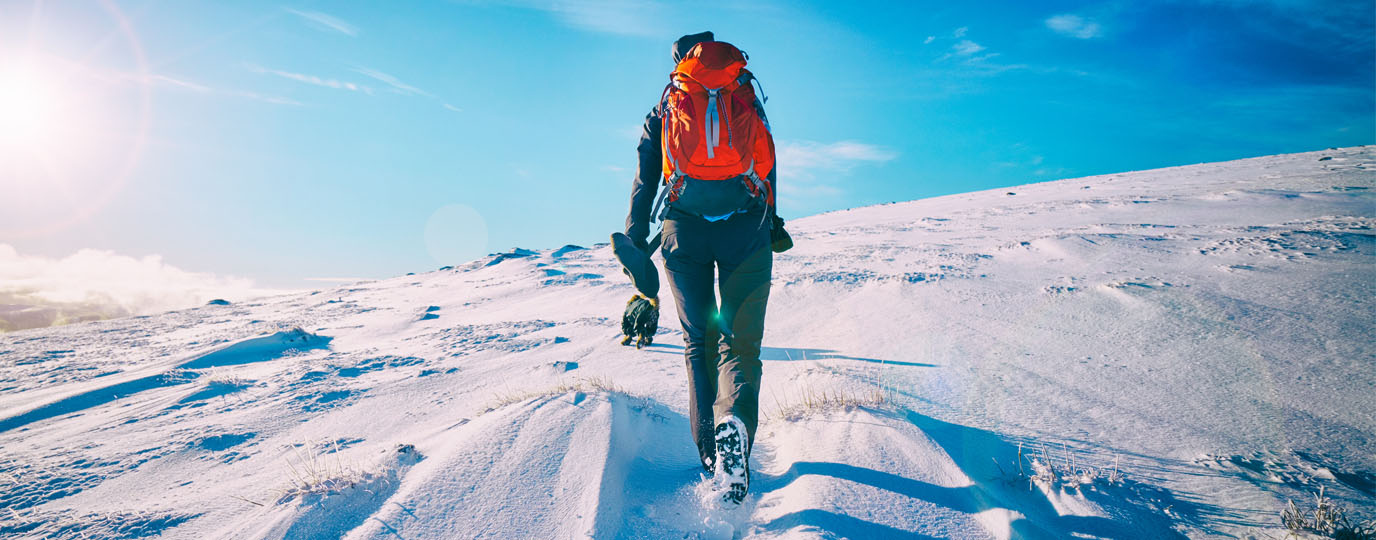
point(87, 289)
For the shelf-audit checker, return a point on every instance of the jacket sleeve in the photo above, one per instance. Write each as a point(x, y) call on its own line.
point(647, 179)
point(774, 188)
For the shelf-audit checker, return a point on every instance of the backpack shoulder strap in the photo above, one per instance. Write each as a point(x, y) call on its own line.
point(654, 243)
point(760, 98)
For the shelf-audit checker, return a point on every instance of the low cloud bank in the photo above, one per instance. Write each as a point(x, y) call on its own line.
point(37, 292)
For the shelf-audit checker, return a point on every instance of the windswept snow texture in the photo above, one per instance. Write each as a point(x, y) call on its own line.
point(1158, 354)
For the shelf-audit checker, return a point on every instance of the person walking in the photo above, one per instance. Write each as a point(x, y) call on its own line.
point(708, 143)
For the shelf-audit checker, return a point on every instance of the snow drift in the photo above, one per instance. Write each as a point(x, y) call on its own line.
point(1154, 354)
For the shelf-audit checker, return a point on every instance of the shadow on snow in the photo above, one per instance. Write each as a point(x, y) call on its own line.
point(250, 350)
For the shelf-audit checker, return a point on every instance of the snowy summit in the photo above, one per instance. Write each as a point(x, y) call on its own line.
point(1157, 354)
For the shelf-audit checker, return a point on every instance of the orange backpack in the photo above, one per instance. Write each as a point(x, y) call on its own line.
point(717, 145)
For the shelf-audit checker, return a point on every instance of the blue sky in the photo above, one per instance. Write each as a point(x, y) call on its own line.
point(289, 142)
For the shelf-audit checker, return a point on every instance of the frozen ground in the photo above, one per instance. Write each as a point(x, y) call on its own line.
point(1196, 341)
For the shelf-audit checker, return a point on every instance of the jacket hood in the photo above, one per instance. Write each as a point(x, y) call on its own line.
point(686, 43)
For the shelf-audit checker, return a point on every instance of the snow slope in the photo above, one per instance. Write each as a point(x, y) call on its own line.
point(1195, 342)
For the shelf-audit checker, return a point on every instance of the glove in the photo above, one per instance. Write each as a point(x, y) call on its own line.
point(779, 240)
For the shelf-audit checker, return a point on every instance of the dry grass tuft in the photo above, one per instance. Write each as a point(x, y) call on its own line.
point(225, 378)
point(1052, 470)
point(311, 473)
point(811, 399)
point(1326, 520)
point(581, 384)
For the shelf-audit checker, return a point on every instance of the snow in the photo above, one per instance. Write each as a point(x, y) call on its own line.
point(1154, 354)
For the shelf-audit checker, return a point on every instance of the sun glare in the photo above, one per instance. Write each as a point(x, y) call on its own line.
point(29, 108)
point(75, 111)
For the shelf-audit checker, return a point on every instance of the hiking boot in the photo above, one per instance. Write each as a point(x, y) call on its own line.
point(732, 467)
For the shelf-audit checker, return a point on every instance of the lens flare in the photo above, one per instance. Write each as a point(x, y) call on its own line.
point(455, 233)
point(71, 131)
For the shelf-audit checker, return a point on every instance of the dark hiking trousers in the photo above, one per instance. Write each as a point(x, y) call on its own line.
point(721, 346)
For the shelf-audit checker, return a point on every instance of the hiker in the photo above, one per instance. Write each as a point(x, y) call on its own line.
point(716, 159)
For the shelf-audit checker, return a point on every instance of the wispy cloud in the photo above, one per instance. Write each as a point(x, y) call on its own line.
point(318, 81)
point(91, 284)
point(184, 84)
point(966, 48)
point(834, 156)
point(264, 98)
point(929, 40)
point(967, 53)
point(163, 79)
point(313, 80)
point(1074, 26)
point(804, 164)
point(972, 57)
point(632, 17)
point(396, 84)
point(623, 17)
point(393, 84)
point(324, 21)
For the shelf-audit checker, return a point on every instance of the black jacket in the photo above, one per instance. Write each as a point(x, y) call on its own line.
point(648, 177)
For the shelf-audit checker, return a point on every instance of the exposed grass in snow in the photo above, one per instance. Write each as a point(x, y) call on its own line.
point(225, 379)
point(1069, 471)
point(312, 473)
point(1326, 519)
point(218, 384)
point(581, 384)
point(1053, 470)
point(811, 399)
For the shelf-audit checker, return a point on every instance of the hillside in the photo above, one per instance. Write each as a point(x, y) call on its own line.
point(1154, 354)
